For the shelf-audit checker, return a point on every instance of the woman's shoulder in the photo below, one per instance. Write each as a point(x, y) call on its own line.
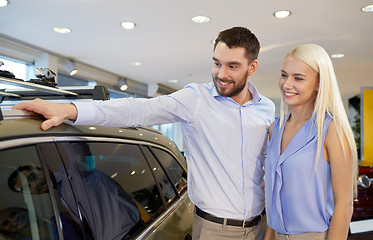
point(276, 123)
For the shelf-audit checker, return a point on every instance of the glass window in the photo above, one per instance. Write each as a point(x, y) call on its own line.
point(67, 80)
point(172, 131)
point(25, 206)
point(19, 69)
point(72, 227)
point(114, 187)
point(173, 168)
point(164, 183)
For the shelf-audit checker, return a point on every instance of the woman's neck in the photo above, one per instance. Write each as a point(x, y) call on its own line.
point(300, 114)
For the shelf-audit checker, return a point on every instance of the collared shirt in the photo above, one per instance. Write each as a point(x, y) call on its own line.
point(299, 195)
point(224, 141)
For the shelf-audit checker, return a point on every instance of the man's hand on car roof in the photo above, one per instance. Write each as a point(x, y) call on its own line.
point(53, 112)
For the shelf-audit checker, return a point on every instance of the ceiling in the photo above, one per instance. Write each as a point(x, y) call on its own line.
point(170, 46)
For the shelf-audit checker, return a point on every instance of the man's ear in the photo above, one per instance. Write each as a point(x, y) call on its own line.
point(252, 67)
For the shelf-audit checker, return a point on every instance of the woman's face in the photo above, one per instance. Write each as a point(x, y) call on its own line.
point(298, 83)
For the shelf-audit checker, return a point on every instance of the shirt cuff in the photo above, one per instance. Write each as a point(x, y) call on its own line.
point(85, 113)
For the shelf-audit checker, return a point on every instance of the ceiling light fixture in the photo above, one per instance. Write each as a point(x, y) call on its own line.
point(62, 30)
point(122, 84)
point(368, 8)
point(4, 3)
point(282, 14)
point(136, 64)
point(128, 25)
point(201, 19)
point(71, 68)
point(338, 55)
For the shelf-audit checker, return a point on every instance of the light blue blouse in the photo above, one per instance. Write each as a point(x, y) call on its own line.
point(298, 192)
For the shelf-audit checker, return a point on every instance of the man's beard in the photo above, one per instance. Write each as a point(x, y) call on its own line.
point(236, 88)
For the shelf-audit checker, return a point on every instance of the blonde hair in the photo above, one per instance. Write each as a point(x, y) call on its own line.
point(328, 101)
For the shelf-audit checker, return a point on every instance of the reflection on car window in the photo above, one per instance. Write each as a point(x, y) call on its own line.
point(173, 168)
point(25, 205)
point(114, 186)
point(164, 183)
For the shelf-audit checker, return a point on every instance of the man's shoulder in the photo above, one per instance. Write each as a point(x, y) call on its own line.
point(201, 88)
point(266, 107)
point(266, 101)
point(205, 86)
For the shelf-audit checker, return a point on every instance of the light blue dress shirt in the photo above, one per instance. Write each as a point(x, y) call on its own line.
point(299, 196)
point(224, 141)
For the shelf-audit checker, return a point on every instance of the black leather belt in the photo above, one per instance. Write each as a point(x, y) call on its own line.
point(232, 222)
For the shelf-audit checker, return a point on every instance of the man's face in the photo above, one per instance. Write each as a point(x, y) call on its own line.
point(35, 179)
point(13, 220)
point(231, 70)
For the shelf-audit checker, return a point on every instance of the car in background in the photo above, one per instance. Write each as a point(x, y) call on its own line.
point(89, 182)
point(361, 225)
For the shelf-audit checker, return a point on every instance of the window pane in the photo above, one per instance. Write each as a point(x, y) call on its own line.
point(173, 168)
point(19, 69)
point(165, 184)
point(72, 227)
point(25, 205)
point(113, 185)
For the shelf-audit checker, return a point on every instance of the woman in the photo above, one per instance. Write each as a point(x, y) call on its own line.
point(311, 161)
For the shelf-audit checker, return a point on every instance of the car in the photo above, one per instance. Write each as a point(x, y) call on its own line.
point(87, 182)
point(361, 225)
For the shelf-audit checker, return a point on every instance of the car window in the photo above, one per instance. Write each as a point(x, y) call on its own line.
point(173, 168)
point(72, 225)
point(114, 186)
point(164, 183)
point(25, 205)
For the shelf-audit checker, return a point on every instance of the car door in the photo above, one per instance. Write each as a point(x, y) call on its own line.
point(30, 206)
point(121, 189)
point(114, 187)
point(177, 221)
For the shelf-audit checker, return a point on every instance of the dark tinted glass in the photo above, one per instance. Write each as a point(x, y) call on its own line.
point(164, 183)
point(72, 226)
point(173, 168)
point(25, 205)
point(113, 185)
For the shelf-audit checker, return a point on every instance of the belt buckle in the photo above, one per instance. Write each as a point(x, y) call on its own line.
point(243, 223)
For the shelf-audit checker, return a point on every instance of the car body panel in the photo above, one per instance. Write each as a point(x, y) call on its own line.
point(176, 220)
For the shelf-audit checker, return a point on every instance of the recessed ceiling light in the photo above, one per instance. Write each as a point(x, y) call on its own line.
point(136, 64)
point(3, 3)
point(282, 14)
point(201, 19)
point(368, 8)
point(338, 55)
point(173, 81)
point(128, 25)
point(62, 30)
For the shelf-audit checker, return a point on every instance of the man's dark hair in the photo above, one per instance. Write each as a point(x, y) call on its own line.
point(13, 177)
point(240, 37)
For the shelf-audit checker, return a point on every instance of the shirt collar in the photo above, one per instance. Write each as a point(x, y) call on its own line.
point(254, 92)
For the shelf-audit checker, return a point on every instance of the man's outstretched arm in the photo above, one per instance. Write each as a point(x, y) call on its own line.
point(53, 112)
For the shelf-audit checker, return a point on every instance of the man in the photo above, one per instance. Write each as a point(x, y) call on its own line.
point(224, 125)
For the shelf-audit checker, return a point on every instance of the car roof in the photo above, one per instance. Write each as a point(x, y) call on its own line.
point(15, 128)
point(17, 124)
